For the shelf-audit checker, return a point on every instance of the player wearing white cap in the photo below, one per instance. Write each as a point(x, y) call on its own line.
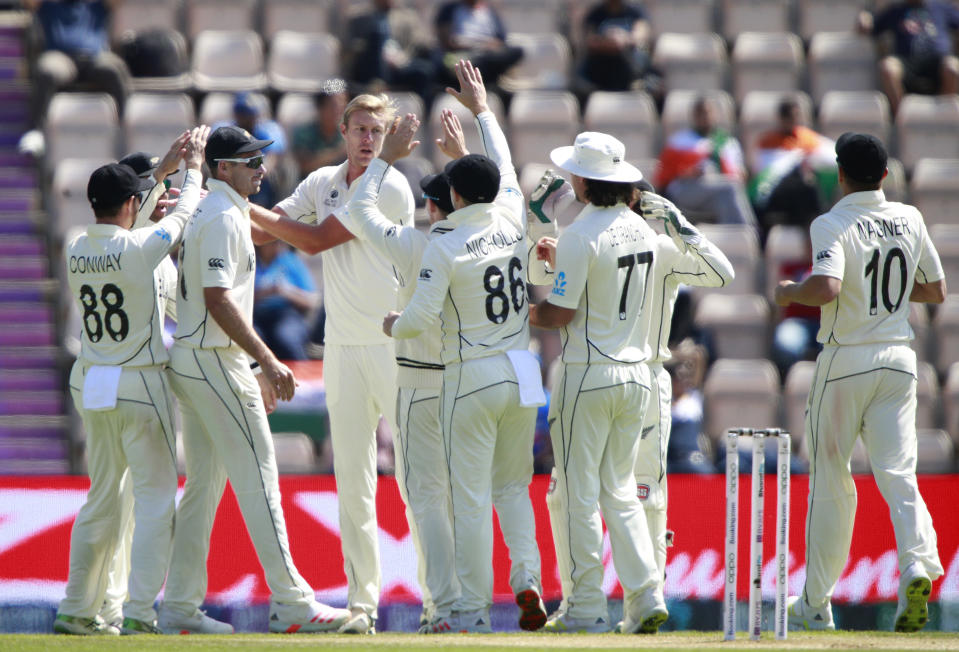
point(871, 258)
point(120, 388)
point(224, 403)
point(603, 265)
point(359, 362)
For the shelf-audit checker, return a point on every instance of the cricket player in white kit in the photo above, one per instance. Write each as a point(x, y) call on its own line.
point(603, 267)
point(359, 361)
point(474, 279)
point(224, 403)
point(871, 258)
point(153, 207)
point(420, 441)
point(120, 388)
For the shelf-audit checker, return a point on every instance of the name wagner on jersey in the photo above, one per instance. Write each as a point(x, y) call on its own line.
point(883, 228)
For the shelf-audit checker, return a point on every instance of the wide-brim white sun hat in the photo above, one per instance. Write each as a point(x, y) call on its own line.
point(596, 156)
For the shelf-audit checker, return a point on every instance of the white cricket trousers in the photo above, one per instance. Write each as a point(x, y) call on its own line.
point(595, 418)
point(650, 468)
point(360, 386)
point(138, 434)
point(423, 479)
point(226, 435)
point(867, 390)
point(488, 439)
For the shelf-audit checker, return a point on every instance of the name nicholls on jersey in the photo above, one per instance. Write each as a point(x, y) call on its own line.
point(95, 264)
point(481, 246)
point(883, 228)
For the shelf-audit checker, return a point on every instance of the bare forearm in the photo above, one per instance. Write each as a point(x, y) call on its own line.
point(309, 238)
point(934, 292)
point(814, 291)
point(546, 315)
point(227, 315)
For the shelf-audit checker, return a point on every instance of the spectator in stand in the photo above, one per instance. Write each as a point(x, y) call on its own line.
point(794, 338)
point(471, 29)
point(795, 170)
point(687, 369)
point(701, 168)
point(617, 54)
point(283, 294)
point(392, 45)
point(319, 143)
point(922, 60)
point(249, 116)
point(76, 49)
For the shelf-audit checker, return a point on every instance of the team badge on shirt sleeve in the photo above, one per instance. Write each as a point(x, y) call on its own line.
point(559, 284)
point(426, 274)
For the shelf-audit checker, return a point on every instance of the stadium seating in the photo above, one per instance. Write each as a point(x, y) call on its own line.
point(532, 16)
point(295, 109)
point(766, 61)
point(795, 396)
point(313, 16)
point(231, 15)
point(935, 190)
point(218, 107)
point(946, 239)
point(71, 208)
point(784, 244)
point(758, 113)
point(862, 111)
point(544, 66)
point(945, 329)
point(152, 121)
point(840, 60)
point(691, 61)
point(894, 186)
point(301, 61)
point(131, 16)
point(927, 127)
point(740, 393)
point(539, 121)
point(81, 125)
point(826, 15)
point(681, 16)
point(950, 402)
point(228, 61)
point(935, 451)
point(755, 16)
point(678, 109)
point(927, 396)
point(737, 323)
point(631, 117)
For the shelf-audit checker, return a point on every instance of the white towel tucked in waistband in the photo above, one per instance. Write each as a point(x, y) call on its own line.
point(530, 379)
point(100, 387)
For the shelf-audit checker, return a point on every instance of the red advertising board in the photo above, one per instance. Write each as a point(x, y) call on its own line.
point(36, 514)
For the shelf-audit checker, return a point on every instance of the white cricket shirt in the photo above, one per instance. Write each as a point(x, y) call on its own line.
point(604, 263)
point(110, 271)
point(878, 249)
point(474, 277)
point(217, 251)
point(359, 286)
point(675, 263)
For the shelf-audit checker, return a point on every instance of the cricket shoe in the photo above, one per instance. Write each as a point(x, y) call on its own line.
point(132, 627)
point(645, 615)
point(914, 589)
point(170, 622)
point(802, 616)
point(65, 624)
point(360, 622)
point(319, 618)
point(440, 625)
point(473, 622)
point(563, 623)
point(532, 611)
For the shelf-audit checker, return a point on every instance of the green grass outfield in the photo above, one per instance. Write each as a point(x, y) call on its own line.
point(849, 640)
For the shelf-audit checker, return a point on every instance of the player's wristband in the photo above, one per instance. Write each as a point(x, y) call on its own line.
point(256, 368)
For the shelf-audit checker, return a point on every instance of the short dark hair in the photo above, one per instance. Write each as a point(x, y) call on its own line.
point(108, 212)
point(787, 106)
point(861, 186)
point(608, 193)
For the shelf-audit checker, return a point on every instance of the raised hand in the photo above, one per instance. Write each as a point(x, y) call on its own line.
point(193, 149)
point(657, 207)
point(551, 197)
point(398, 141)
point(452, 143)
point(168, 164)
point(472, 93)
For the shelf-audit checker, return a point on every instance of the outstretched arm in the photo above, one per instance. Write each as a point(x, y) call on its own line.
point(309, 238)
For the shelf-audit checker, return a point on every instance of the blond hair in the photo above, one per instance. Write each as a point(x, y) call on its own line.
point(379, 106)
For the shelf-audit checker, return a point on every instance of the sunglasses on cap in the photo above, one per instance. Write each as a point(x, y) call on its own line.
point(254, 162)
point(430, 197)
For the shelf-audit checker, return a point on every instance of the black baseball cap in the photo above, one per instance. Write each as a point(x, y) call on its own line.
point(436, 187)
point(229, 142)
point(475, 177)
point(862, 157)
point(112, 184)
point(142, 163)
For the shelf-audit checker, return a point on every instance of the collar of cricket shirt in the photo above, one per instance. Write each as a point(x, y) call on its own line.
point(866, 197)
point(215, 185)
